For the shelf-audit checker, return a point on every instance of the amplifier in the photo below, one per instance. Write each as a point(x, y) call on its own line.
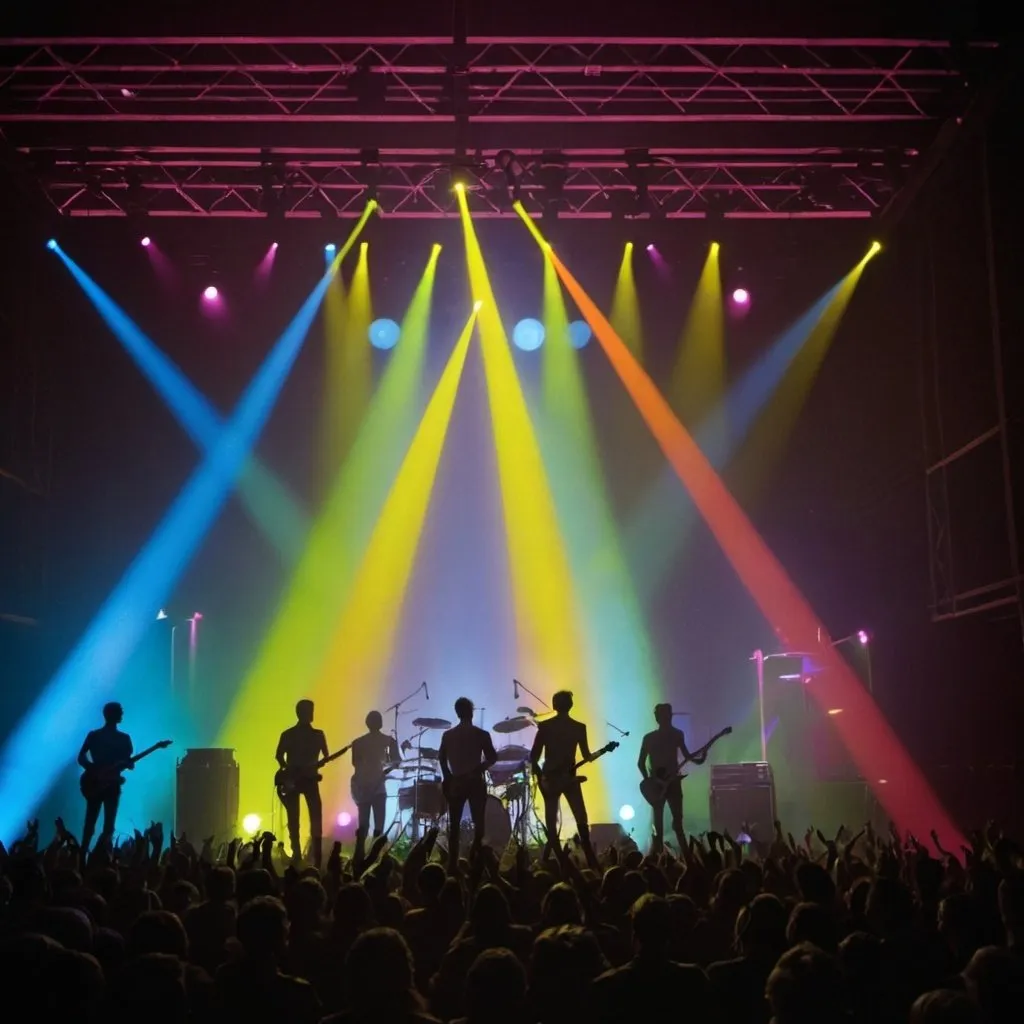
point(207, 797)
point(743, 794)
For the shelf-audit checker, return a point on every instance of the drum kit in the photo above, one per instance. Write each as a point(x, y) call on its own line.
point(510, 795)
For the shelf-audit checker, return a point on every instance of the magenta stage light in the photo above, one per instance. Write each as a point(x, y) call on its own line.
point(741, 296)
point(211, 293)
point(273, 245)
point(344, 819)
point(147, 242)
point(650, 247)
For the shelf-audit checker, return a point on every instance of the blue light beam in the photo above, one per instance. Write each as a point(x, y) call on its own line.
point(71, 700)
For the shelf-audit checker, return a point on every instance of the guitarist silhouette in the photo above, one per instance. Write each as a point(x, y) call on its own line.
point(557, 740)
point(107, 747)
point(300, 750)
point(373, 755)
point(659, 759)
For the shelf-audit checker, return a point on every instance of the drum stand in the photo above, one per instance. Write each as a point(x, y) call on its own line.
point(415, 793)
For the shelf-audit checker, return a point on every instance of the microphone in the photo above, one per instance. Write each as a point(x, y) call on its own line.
point(426, 692)
point(515, 689)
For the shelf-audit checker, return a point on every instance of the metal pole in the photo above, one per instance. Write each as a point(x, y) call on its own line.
point(759, 663)
point(997, 366)
point(174, 629)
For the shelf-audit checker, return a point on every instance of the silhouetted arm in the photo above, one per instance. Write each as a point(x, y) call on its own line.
point(324, 750)
point(84, 761)
point(535, 751)
point(490, 754)
point(394, 757)
point(642, 760)
point(442, 757)
point(280, 751)
point(585, 744)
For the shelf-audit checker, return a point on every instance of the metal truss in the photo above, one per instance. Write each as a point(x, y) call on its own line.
point(307, 127)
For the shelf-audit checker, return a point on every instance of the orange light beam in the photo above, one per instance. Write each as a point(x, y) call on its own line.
point(875, 749)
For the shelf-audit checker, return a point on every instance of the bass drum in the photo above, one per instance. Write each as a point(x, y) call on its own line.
point(497, 828)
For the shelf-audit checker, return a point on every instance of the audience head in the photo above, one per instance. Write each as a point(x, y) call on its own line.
point(995, 979)
point(490, 915)
point(945, 1006)
point(496, 988)
point(652, 925)
point(158, 931)
point(761, 928)
point(379, 973)
point(563, 963)
point(149, 988)
point(560, 906)
point(806, 987)
point(263, 928)
point(813, 923)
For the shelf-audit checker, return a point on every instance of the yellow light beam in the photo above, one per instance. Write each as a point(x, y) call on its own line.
point(361, 648)
point(356, 363)
point(698, 379)
point(332, 412)
point(548, 629)
point(625, 314)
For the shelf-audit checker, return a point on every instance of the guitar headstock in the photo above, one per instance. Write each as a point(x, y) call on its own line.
point(609, 747)
point(164, 744)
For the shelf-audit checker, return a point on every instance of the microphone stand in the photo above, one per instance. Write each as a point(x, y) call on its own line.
point(416, 789)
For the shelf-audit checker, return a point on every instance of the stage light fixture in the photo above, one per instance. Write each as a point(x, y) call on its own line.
point(211, 293)
point(741, 296)
point(384, 334)
point(626, 812)
point(52, 243)
point(528, 335)
point(579, 334)
point(273, 245)
point(344, 819)
point(330, 248)
point(146, 242)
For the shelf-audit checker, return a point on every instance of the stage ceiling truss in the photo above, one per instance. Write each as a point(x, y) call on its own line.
point(308, 127)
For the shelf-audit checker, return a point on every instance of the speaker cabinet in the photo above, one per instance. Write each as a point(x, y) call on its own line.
point(743, 795)
point(207, 797)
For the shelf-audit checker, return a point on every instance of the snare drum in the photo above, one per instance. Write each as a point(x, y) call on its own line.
point(497, 829)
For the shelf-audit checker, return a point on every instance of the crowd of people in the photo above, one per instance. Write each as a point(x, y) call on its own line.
point(867, 928)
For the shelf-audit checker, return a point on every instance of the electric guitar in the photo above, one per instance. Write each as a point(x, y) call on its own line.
point(654, 788)
point(290, 778)
point(98, 780)
point(462, 784)
point(366, 787)
point(553, 782)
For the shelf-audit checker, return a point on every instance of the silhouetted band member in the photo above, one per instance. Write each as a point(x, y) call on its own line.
point(659, 757)
point(104, 748)
point(466, 752)
point(557, 741)
point(300, 749)
point(373, 754)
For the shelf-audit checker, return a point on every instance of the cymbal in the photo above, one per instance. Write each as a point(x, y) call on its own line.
point(512, 725)
point(513, 754)
point(529, 712)
point(431, 723)
point(428, 754)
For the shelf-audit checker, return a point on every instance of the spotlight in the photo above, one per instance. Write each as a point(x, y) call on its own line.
point(273, 245)
point(52, 243)
point(251, 824)
point(147, 242)
point(211, 293)
point(344, 819)
point(478, 305)
point(626, 812)
point(835, 711)
point(579, 333)
point(460, 186)
point(741, 296)
point(650, 247)
point(629, 245)
point(528, 335)
point(383, 334)
point(162, 614)
point(330, 248)
point(863, 637)
point(875, 247)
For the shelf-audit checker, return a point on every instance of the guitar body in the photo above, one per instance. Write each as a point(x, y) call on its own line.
point(95, 784)
point(654, 788)
point(365, 790)
point(554, 783)
point(98, 781)
point(288, 781)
